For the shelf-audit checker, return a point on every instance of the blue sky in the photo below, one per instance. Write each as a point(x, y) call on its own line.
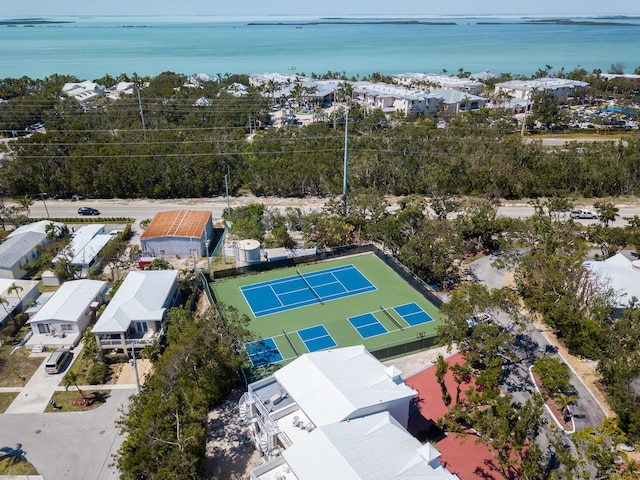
point(43, 8)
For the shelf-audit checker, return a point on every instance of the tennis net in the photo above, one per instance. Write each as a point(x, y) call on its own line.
point(310, 287)
point(388, 313)
point(295, 350)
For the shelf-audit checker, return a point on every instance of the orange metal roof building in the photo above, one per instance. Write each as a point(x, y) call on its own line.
point(177, 223)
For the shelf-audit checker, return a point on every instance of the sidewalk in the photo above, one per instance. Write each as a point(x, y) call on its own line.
point(35, 395)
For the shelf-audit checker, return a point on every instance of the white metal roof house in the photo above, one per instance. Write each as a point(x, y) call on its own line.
point(321, 388)
point(375, 447)
point(22, 246)
point(19, 250)
point(63, 319)
point(18, 294)
point(448, 82)
point(620, 274)
point(83, 91)
point(135, 314)
point(456, 101)
point(84, 248)
point(562, 88)
point(394, 98)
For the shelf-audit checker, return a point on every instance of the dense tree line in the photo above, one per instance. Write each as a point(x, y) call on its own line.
point(165, 424)
point(178, 149)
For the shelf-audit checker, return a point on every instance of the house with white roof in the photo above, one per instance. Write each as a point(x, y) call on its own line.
point(135, 315)
point(620, 274)
point(562, 88)
point(17, 295)
point(319, 389)
point(367, 448)
point(84, 249)
point(447, 82)
point(83, 91)
point(456, 101)
point(394, 98)
point(62, 320)
point(22, 246)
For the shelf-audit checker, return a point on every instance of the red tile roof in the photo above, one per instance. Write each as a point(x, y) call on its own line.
point(460, 452)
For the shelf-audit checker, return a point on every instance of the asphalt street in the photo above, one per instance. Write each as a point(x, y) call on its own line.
point(587, 411)
point(143, 209)
point(73, 445)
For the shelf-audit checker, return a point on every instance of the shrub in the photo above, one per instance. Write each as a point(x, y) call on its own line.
point(98, 374)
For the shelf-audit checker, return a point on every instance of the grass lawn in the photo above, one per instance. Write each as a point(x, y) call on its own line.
point(6, 399)
point(66, 400)
point(15, 466)
point(16, 369)
point(390, 290)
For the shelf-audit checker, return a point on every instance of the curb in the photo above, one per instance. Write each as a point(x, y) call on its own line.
point(535, 385)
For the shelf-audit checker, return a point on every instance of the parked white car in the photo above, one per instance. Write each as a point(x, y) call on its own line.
point(584, 214)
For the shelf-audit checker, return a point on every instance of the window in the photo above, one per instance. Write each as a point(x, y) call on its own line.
point(66, 327)
point(142, 327)
point(43, 327)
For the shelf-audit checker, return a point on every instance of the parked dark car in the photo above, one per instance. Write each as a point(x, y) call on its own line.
point(88, 211)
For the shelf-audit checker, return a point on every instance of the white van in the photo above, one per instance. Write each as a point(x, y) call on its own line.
point(57, 361)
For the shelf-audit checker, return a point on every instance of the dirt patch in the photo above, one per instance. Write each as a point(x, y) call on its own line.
point(230, 452)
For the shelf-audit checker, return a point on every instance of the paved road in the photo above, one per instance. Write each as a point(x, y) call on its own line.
point(143, 209)
point(587, 412)
point(73, 445)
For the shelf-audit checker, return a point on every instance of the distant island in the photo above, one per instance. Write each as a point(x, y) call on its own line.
point(352, 22)
point(566, 21)
point(30, 22)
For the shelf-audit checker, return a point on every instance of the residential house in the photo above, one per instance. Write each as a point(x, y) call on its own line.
point(83, 251)
point(619, 274)
point(456, 101)
point(23, 246)
point(394, 98)
point(17, 295)
point(446, 82)
point(83, 91)
point(562, 88)
point(365, 448)
point(135, 315)
point(319, 389)
point(63, 319)
point(178, 233)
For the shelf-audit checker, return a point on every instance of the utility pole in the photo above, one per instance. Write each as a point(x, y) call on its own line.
point(346, 160)
point(206, 246)
point(134, 365)
point(226, 187)
point(140, 105)
point(42, 195)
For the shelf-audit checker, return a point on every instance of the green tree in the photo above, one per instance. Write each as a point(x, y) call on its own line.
point(15, 288)
point(72, 378)
point(607, 212)
point(25, 203)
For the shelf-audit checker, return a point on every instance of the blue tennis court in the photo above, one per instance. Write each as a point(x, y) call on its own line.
point(275, 296)
point(263, 352)
point(316, 338)
point(413, 314)
point(367, 325)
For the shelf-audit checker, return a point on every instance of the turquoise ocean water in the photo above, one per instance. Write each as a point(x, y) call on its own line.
point(91, 47)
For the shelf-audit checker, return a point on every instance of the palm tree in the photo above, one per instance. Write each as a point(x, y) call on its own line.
point(4, 302)
point(564, 400)
point(72, 378)
point(26, 202)
point(15, 289)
